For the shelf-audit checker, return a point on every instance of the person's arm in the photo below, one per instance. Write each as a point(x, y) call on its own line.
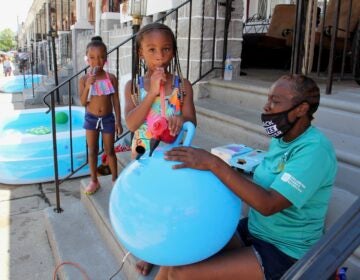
point(267, 202)
point(85, 83)
point(187, 112)
point(116, 105)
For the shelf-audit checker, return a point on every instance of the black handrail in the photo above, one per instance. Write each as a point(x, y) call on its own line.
point(338, 243)
point(68, 81)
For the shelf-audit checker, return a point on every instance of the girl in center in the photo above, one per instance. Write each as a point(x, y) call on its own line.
point(156, 70)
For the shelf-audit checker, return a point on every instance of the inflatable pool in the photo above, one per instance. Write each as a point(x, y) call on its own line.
point(18, 83)
point(26, 150)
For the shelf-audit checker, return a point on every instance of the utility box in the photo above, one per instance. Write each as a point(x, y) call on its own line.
point(153, 7)
point(150, 7)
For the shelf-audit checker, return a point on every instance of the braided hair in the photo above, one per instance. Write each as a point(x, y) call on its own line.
point(139, 67)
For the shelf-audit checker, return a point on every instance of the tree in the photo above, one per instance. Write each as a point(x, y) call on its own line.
point(7, 40)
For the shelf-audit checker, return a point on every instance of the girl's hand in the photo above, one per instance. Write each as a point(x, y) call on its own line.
point(90, 80)
point(190, 158)
point(157, 77)
point(175, 124)
point(118, 129)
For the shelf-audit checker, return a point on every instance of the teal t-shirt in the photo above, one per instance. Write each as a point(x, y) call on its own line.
point(303, 171)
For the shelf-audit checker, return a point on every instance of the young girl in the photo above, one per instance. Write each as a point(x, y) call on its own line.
point(99, 94)
point(156, 69)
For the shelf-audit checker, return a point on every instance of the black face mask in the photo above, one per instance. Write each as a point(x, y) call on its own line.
point(277, 125)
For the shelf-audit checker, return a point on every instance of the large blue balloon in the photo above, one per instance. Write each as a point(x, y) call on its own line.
point(172, 217)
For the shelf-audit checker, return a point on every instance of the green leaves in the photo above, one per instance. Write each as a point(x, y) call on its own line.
point(7, 40)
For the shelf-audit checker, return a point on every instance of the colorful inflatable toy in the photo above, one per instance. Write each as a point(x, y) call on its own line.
point(172, 217)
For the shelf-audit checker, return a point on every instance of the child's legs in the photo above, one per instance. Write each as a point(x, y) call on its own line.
point(108, 140)
point(92, 139)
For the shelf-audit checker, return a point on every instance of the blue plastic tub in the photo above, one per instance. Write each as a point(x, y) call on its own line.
point(18, 83)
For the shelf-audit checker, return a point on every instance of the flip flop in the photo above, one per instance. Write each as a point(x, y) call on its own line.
point(92, 188)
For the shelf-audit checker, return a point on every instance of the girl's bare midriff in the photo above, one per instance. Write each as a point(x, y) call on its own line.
point(101, 106)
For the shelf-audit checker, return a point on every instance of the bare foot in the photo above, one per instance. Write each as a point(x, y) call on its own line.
point(143, 267)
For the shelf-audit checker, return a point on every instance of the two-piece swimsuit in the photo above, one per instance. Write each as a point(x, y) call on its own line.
point(104, 123)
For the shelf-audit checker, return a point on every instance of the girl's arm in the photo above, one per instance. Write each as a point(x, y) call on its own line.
point(135, 115)
point(188, 109)
point(116, 105)
point(85, 83)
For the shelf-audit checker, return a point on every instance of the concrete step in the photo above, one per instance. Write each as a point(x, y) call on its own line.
point(97, 207)
point(223, 120)
point(334, 110)
point(242, 125)
point(74, 238)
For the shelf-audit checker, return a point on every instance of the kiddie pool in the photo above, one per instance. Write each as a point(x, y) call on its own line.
point(26, 149)
point(19, 82)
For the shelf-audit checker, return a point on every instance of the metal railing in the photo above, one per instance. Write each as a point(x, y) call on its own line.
point(333, 49)
point(68, 85)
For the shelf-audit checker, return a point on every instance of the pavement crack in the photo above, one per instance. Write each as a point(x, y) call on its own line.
point(22, 197)
point(43, 195)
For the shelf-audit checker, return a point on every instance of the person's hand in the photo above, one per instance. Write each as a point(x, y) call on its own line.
point(90, 80)
point(190, 158)
point(157, 77)
point(118, 129)
point(175, 124)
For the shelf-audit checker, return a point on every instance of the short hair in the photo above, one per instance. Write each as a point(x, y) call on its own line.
point(96, 42)
point(305, 90)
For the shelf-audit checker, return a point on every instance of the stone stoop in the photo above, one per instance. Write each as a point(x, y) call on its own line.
point(232, 110)
point(97, 207)
point(73, 237)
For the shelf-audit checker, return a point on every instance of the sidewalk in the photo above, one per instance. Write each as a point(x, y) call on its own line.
point(25, 252)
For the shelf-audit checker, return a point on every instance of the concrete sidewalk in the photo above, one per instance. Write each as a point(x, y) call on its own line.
point(25, 252)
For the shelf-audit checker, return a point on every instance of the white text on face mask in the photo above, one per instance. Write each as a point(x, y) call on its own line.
point(272, 131)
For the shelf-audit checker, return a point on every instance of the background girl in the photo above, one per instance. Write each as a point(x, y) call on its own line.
point(157, 69)
point(99, 93)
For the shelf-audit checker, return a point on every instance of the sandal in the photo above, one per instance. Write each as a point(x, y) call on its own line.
point(92, 188)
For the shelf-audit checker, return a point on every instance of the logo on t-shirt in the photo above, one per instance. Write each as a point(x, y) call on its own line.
point(292, 181)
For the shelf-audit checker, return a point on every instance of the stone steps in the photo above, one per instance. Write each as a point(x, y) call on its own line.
point(333, 112)
point(231, 111)
point(74, 237)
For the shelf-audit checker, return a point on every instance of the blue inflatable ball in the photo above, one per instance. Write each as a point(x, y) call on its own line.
point(61, 118)
point(171, 217)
